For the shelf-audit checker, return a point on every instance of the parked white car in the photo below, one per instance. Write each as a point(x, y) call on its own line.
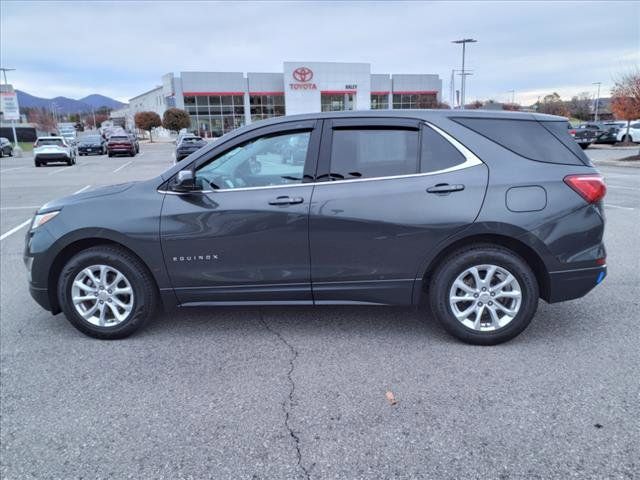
point(53, 149)
point(634, 132)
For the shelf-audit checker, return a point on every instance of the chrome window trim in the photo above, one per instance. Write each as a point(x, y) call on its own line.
point(471, 160)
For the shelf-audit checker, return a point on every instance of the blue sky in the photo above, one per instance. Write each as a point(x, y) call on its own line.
point(121, 49)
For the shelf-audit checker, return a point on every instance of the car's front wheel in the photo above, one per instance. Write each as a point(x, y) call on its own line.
point(484, 294)
point(106, 292)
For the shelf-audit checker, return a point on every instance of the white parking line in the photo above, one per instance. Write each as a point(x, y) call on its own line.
point(618, 206)
point(636, 189)
point(59, 170)
point(15, 229)
point(122, 166)
point(26, 207)
point(82, 189)
point(11, 169)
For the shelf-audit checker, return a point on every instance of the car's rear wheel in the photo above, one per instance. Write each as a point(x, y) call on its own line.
point(484, 294)
point(106, 292)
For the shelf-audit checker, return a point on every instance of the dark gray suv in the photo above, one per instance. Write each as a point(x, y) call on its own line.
point(478, 214)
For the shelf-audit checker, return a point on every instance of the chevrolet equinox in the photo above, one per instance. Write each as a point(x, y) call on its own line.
point(478, 214)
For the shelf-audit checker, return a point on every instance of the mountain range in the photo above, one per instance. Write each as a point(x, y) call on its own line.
point(68, 105)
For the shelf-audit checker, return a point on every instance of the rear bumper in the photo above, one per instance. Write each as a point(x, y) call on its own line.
point(90, 149)
point(571, 284)
point(52, 157)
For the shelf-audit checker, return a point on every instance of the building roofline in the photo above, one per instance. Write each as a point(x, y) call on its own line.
point(145, 93)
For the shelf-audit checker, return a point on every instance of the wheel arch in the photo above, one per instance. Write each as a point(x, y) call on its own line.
point(73, 248)
point(518, 246)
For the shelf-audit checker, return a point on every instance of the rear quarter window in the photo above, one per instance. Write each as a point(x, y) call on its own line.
point(547, 142)
point(436, 153)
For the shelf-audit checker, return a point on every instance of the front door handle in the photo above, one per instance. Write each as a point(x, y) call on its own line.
point(445, 188)
point(286, 200)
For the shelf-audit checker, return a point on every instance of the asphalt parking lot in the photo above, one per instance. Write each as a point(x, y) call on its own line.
point(283, 393)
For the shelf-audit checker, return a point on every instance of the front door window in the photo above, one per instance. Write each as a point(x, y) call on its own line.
point(266, 161)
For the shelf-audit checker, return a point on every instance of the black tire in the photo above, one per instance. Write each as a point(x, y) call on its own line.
point(36, 163)
point(584, 146)
point(110, 154)
point(145, 296)
point(481, 254)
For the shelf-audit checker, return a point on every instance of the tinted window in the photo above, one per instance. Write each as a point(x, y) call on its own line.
point(541, 141)
point(368, 153)
point(437, 153)
point(567, 140)
point(49, 141)
point(271, 160)
point(119, 137)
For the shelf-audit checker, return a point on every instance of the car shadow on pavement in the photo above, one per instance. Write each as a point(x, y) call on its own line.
point(356, 321)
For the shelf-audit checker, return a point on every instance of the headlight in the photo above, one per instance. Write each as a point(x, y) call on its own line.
point(42, 218)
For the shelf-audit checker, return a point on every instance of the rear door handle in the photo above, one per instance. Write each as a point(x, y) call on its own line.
point(445, 188)
point(286, 200)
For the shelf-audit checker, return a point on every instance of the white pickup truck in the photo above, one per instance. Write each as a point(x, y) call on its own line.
point(53, 149)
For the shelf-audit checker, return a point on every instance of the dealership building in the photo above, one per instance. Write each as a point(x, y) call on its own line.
point(219, 102)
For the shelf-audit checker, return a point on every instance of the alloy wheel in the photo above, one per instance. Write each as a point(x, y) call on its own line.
point(102, 295)
point(485, 297)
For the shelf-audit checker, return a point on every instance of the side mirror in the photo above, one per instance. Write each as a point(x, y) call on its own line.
point(184, 182)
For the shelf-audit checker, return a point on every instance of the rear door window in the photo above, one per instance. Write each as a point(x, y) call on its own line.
point(436, 153)
point(547, 141)
point(373, 152)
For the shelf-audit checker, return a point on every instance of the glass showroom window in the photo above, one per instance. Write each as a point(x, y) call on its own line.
point(414, 100)
point(335, 102)
point(379, 101)
point(266, 106)
point(215, 115)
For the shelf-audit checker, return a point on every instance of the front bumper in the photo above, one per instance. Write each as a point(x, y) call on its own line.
point(570, 284)
point(41, 296)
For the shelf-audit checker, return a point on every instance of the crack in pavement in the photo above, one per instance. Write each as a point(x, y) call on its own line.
point(287, 403)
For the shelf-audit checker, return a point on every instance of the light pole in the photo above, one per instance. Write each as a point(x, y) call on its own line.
point(513, 96)
point(595, 116)
point(464, 42)
point(13, 125)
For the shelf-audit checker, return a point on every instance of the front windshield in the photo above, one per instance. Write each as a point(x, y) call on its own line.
point(91, 139)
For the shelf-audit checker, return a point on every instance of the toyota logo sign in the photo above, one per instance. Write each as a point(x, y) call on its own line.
point(303, 74)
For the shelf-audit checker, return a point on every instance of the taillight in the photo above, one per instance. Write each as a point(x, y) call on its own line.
point(572, 133)
point(591, 187)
